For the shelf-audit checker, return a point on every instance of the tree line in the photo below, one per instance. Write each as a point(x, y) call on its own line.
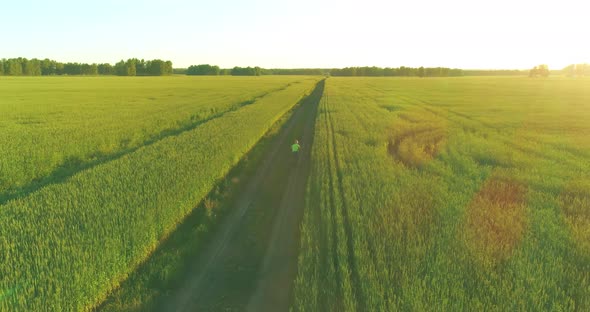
point(206, 69)
point(494, 72)
point(132, 67)
point(541, 70)
point(136, 67)
point(399, 71)
point(577, 70)
point(296, 71)
point(214, 70)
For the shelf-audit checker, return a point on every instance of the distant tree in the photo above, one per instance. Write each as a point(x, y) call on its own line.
point(237, 71)
point(59, 68)
point(88, 69)
point(131, 67)
point(156, 68)
point(31, 67)
point(2, 67)
point(73, 69)
point(13, 67)
point(421, 72)
point(348, 71)
point(93, 69)
point(105, 69)
point(246, 71)
point(569, 71)
point(582, 70)
point(136, 67)
point(576, 70)
point(390, 72)
point(23, 63)
point(47, 67)
point(168, 68)
point(541, 70)
point(438, 72)
point(203, 69)
point(85, 69)
point(455, 72)
point(254, 71)
point(141, 67)
point(121, 68)
point(374, 71)
point(159, 68)
point(404, 71)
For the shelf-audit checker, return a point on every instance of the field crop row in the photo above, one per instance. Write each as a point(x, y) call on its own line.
point(67, 245)
point(448, 194)
point(51, 127)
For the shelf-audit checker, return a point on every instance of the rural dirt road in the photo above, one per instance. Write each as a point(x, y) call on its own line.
point(251, 262)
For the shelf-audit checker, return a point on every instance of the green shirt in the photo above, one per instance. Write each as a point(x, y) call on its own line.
point(295, 147)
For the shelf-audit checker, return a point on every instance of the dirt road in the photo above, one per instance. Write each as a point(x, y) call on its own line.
point(251, 262)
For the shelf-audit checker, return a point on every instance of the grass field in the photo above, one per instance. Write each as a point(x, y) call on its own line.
point(66, 245)
point(51, 127)
point(448, 195)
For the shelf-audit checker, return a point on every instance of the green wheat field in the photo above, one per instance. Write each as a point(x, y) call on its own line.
point(465, 194)
point(425, 194)
point(96, 171)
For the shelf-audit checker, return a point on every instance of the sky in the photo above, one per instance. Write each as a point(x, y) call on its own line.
point(468, 34)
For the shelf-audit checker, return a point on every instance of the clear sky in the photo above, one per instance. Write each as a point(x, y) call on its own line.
point(301, 33)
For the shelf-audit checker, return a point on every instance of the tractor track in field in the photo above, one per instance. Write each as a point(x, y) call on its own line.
point(354, 270)
point(268, 267)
